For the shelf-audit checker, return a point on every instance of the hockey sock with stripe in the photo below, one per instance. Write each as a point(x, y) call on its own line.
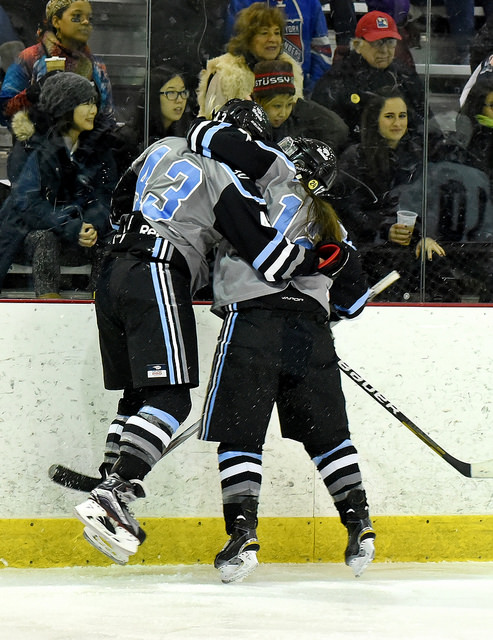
point(241, 478)
point(112, 445)
point(340, 471)
point(143, 442)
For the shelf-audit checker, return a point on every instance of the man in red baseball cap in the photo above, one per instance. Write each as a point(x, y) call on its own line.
point(376, 25)
point(376, 37)
point(369, 67)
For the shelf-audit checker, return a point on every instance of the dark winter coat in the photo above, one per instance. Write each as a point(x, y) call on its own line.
point(368, 208)
point(311, 120)
point(57, 191)
point(349, 84)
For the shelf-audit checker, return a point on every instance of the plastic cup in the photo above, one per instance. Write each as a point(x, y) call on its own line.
point(55, 64)
point(407, 218)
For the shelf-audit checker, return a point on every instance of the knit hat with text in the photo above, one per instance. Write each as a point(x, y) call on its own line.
point(273, 77)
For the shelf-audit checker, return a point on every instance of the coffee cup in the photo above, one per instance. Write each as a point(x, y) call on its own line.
point(407, 218)
point(55, 64)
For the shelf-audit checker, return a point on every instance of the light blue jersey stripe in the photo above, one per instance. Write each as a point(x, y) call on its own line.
point(208, 137)
point(164, 320)
point(273, 244)
point(219, 368)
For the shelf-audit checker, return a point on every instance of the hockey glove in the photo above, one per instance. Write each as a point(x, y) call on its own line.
point(334, 257)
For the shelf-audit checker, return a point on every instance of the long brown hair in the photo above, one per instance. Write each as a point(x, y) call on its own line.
point(322, 220)
point(375, 148)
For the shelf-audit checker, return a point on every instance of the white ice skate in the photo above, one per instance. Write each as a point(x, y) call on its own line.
point(101, 527)
point(105, 513)
point(105, 546)
point(238, 558)
point(239, 567)
point(365, 555)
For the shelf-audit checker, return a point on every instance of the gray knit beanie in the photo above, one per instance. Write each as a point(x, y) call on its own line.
point(63, 92)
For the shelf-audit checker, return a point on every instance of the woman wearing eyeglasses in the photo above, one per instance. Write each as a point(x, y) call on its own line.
point(168, 101)
point(67, 31)
point(369, 67)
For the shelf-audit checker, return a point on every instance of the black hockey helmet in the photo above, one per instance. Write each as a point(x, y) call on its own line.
point(246, 115)
point(315, 162)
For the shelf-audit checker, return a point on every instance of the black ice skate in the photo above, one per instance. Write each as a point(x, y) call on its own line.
point(110, 527)
point(238, 558)
point(360, 549)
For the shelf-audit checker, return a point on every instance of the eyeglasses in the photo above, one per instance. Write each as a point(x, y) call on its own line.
point(173, 95)
point(384, 42)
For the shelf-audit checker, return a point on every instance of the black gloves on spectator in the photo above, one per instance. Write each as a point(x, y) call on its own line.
point(334, 257)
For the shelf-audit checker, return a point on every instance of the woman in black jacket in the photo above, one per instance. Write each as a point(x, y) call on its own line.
point(370, 176)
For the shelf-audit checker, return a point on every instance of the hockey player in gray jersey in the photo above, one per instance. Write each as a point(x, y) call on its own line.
point(183, 204)
point(276, 347)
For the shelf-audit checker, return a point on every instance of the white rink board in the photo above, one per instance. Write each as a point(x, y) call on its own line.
point(434, 364)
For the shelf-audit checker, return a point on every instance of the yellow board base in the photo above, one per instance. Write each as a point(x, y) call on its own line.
point(58, 542)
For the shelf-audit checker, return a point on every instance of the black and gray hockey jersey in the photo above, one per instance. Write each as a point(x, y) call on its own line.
point(275, 176)
point(194, 202)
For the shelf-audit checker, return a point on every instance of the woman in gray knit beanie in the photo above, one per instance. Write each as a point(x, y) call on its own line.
point(63, 92)
point(60, 202)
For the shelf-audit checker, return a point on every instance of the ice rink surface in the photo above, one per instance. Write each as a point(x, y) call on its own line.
point(451, 601)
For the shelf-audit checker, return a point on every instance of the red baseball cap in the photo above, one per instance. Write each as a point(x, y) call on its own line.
point(376, 25)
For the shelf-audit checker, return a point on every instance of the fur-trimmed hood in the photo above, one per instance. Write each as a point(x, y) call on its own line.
point(22, 126)
point(228, 76)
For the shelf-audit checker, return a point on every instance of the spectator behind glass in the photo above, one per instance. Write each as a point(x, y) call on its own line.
point(275, 92)
point(10, 43)
point(369, 67)
point(371, 173)
point(68, 28)
point(169, 114)
point(257, 35)
point(59, 207)
point(474, 127)
point(306, 37)
point(398, 10)
point(26, 17)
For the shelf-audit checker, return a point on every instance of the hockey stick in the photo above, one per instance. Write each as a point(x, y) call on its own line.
point(382, 284)
point(468, 469)
point(80, 482)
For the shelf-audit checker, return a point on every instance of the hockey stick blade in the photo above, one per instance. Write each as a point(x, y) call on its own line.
point(80, 482)
point(382, 284)
point(468, 469)
point(72, 479)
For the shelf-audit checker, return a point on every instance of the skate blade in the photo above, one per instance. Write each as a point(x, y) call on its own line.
point(95, 517)
point(366, 554)
point(243, 566)
point(105, 547)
